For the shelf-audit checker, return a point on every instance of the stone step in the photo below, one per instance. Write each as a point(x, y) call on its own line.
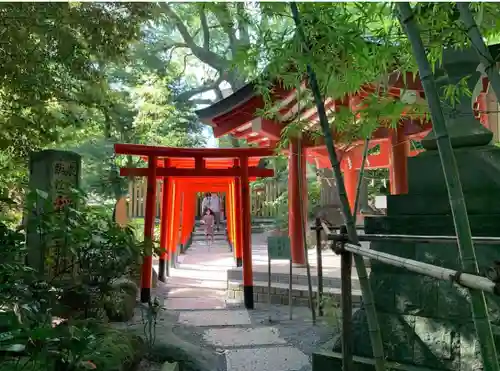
point(216, 235)
point(236, 274)
point(280, 293)
point(200, 236)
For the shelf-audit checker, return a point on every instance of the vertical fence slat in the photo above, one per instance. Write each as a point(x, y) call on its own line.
point(130, 204)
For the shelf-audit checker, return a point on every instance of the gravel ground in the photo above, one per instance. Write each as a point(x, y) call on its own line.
point(146, 365)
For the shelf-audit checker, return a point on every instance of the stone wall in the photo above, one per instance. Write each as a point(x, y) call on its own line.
point(280, 295)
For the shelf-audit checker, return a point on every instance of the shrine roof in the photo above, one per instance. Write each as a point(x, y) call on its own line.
point(227, 104)
point(237, 114)
point(191, 153)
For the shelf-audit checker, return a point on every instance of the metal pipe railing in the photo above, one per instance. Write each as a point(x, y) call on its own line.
point(471, 281)
point(465, 279)
point(343, 247)
point(416, 238)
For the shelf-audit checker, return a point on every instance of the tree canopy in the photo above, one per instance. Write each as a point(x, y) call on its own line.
point(71, 80)
point(83, 76)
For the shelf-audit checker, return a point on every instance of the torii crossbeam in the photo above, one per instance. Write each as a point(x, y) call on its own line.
point(184, 172)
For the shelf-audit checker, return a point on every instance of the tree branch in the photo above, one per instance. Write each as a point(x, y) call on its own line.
point(181, 27)
point(205, 29)
point(244, 37)
point(212, 59)
point(222, 14)
point(207, 86)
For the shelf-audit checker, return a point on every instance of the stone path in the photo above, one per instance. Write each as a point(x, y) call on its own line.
point(194, 297)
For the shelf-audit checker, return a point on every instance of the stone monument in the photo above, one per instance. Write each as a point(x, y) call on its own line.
point(53, 177)
point(427, 324)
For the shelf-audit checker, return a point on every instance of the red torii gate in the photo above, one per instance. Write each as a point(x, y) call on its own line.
point(186, 171)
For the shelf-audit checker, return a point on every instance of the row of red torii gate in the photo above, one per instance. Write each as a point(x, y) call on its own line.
point(187, 171)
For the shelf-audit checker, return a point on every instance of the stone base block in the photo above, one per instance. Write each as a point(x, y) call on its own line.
point(280, 294)
point(327, 361)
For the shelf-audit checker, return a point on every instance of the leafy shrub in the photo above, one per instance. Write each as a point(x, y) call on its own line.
point(78, 273)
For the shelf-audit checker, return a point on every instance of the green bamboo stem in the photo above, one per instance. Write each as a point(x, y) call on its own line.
point(368, 301)
point(474, 34)
point(457, 202)
point(361, 175)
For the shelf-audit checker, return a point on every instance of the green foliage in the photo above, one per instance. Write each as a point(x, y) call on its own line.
point(94, 253)
point(50, 56)
point(149, 319)
point(352, 44)
point(73, 81)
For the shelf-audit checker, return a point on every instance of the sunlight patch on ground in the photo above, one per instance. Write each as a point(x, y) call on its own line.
point(215, 318)
point(276, 359)
point(229, 337)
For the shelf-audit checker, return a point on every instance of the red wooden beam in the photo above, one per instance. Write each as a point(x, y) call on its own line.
point(205, 180)
point(270, 129)
point(319, 155)
point(210, 163)
point(205, 188)
point(179, 152)
point(412, 129)
point(206, 173)
point(243, 133)
point(255, 139)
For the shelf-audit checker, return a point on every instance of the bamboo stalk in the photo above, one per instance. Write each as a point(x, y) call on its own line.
point(319, 260)
point(346, 277)
point(474, 34)
point(346, 285)
point(457, 203)
point(468, 280)
point(369, 303)
point(303, 231)
point(361, 175)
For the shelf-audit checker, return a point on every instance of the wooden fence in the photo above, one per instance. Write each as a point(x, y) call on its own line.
point(261, 200)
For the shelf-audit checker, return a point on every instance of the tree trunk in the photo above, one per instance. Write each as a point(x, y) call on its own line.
point(466, 251)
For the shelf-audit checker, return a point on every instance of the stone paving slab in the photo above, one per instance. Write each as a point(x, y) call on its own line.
point(215, 318)
point(234, 337)
point(275, 359)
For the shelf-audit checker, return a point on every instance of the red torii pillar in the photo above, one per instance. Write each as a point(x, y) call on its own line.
point(233, 228)
point(247, 235)
point(149, 225)
point(228, 212)
point(398, 161)
point(238, 226)
point(189, 198)
point(295, 199)
point(175, 221)
point(351, 176)
point(163, 268)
